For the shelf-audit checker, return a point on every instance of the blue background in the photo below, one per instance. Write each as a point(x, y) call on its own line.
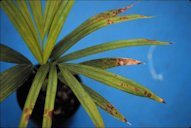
point(172, 23)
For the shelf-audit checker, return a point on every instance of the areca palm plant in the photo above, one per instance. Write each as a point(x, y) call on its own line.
point(39, 30)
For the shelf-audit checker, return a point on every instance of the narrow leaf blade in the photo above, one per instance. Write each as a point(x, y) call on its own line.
point(100, 101)
point(104, 104)
point(9, 55)
point(108, 46)
point(113, 80)
point(83, 97)
point(84, 29)
point(50, 97)
point(36, 8)
point(105, 63)
point(51, 9)
point(56, 27)
point(12, 79)
point(22, 27)
point(33, 94)
point(22, 6)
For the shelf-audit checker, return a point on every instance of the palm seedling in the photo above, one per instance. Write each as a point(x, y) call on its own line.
point(39, 30)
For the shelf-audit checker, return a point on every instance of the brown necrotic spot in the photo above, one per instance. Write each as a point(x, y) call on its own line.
point(110, 106)
point(145, 93)
point(50, 114)
point(149, 94)
point(124, 18)
point(124, 120)
point(27, 117)
point(124, 85)
point(136, 89)
point(109, 21)
point(26, 110)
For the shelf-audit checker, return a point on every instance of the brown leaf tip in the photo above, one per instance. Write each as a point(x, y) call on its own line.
point(163, 101)
point(125, 120)
point(171, 43)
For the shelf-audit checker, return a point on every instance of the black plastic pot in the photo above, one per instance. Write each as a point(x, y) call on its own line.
point(66, 103)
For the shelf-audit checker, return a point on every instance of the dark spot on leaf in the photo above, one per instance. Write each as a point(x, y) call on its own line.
point(27, 117)
point(125, 120)
point(26, 110)
point(149, 94)
point(110, 106)
point(137, 90)
point(124, 18)
point(109, 21)
point(145, 93)
point(50, 114)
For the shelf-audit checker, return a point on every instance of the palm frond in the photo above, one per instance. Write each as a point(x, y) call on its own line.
point(56, 27)
point(113, 80)
point(33, 94)
point(90, 25)
point(82, 96)
point(65, 44)
point(50, 97)
point(105, 63)
point(22, 6)
point(36, 8)
point(104, 104)
point(9, 55)
point(51, 9)
point(13, 78)
point(22, 27)
point(108, 46)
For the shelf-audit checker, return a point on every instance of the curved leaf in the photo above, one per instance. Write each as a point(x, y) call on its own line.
point(104, 104)
point(33, 94)
point(10, 55)
point(108, 46)
point(56, 27)
point(113, 80)
point(83, 97)
point(68, 42)
point(50, 97)
point(22, 27)
point(100, 101)
point(105, 63)
point(13, 78)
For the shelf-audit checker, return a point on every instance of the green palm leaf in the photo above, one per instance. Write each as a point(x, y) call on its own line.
point(51, 9)
point(36, 8)
point(104, 104)
point(69, 41)
point(50, 97)
point(33, 94)
point(108, 46)
point(56, 27)
point(13, 78)
point(22, 6)
point(82, 96)
point(113, 80)
point(22, 27)
point(105, 63)
point(59, 49)
point(9, 55)
point(100, 101)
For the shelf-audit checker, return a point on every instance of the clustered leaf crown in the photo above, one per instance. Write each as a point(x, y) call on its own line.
point(48, 23)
